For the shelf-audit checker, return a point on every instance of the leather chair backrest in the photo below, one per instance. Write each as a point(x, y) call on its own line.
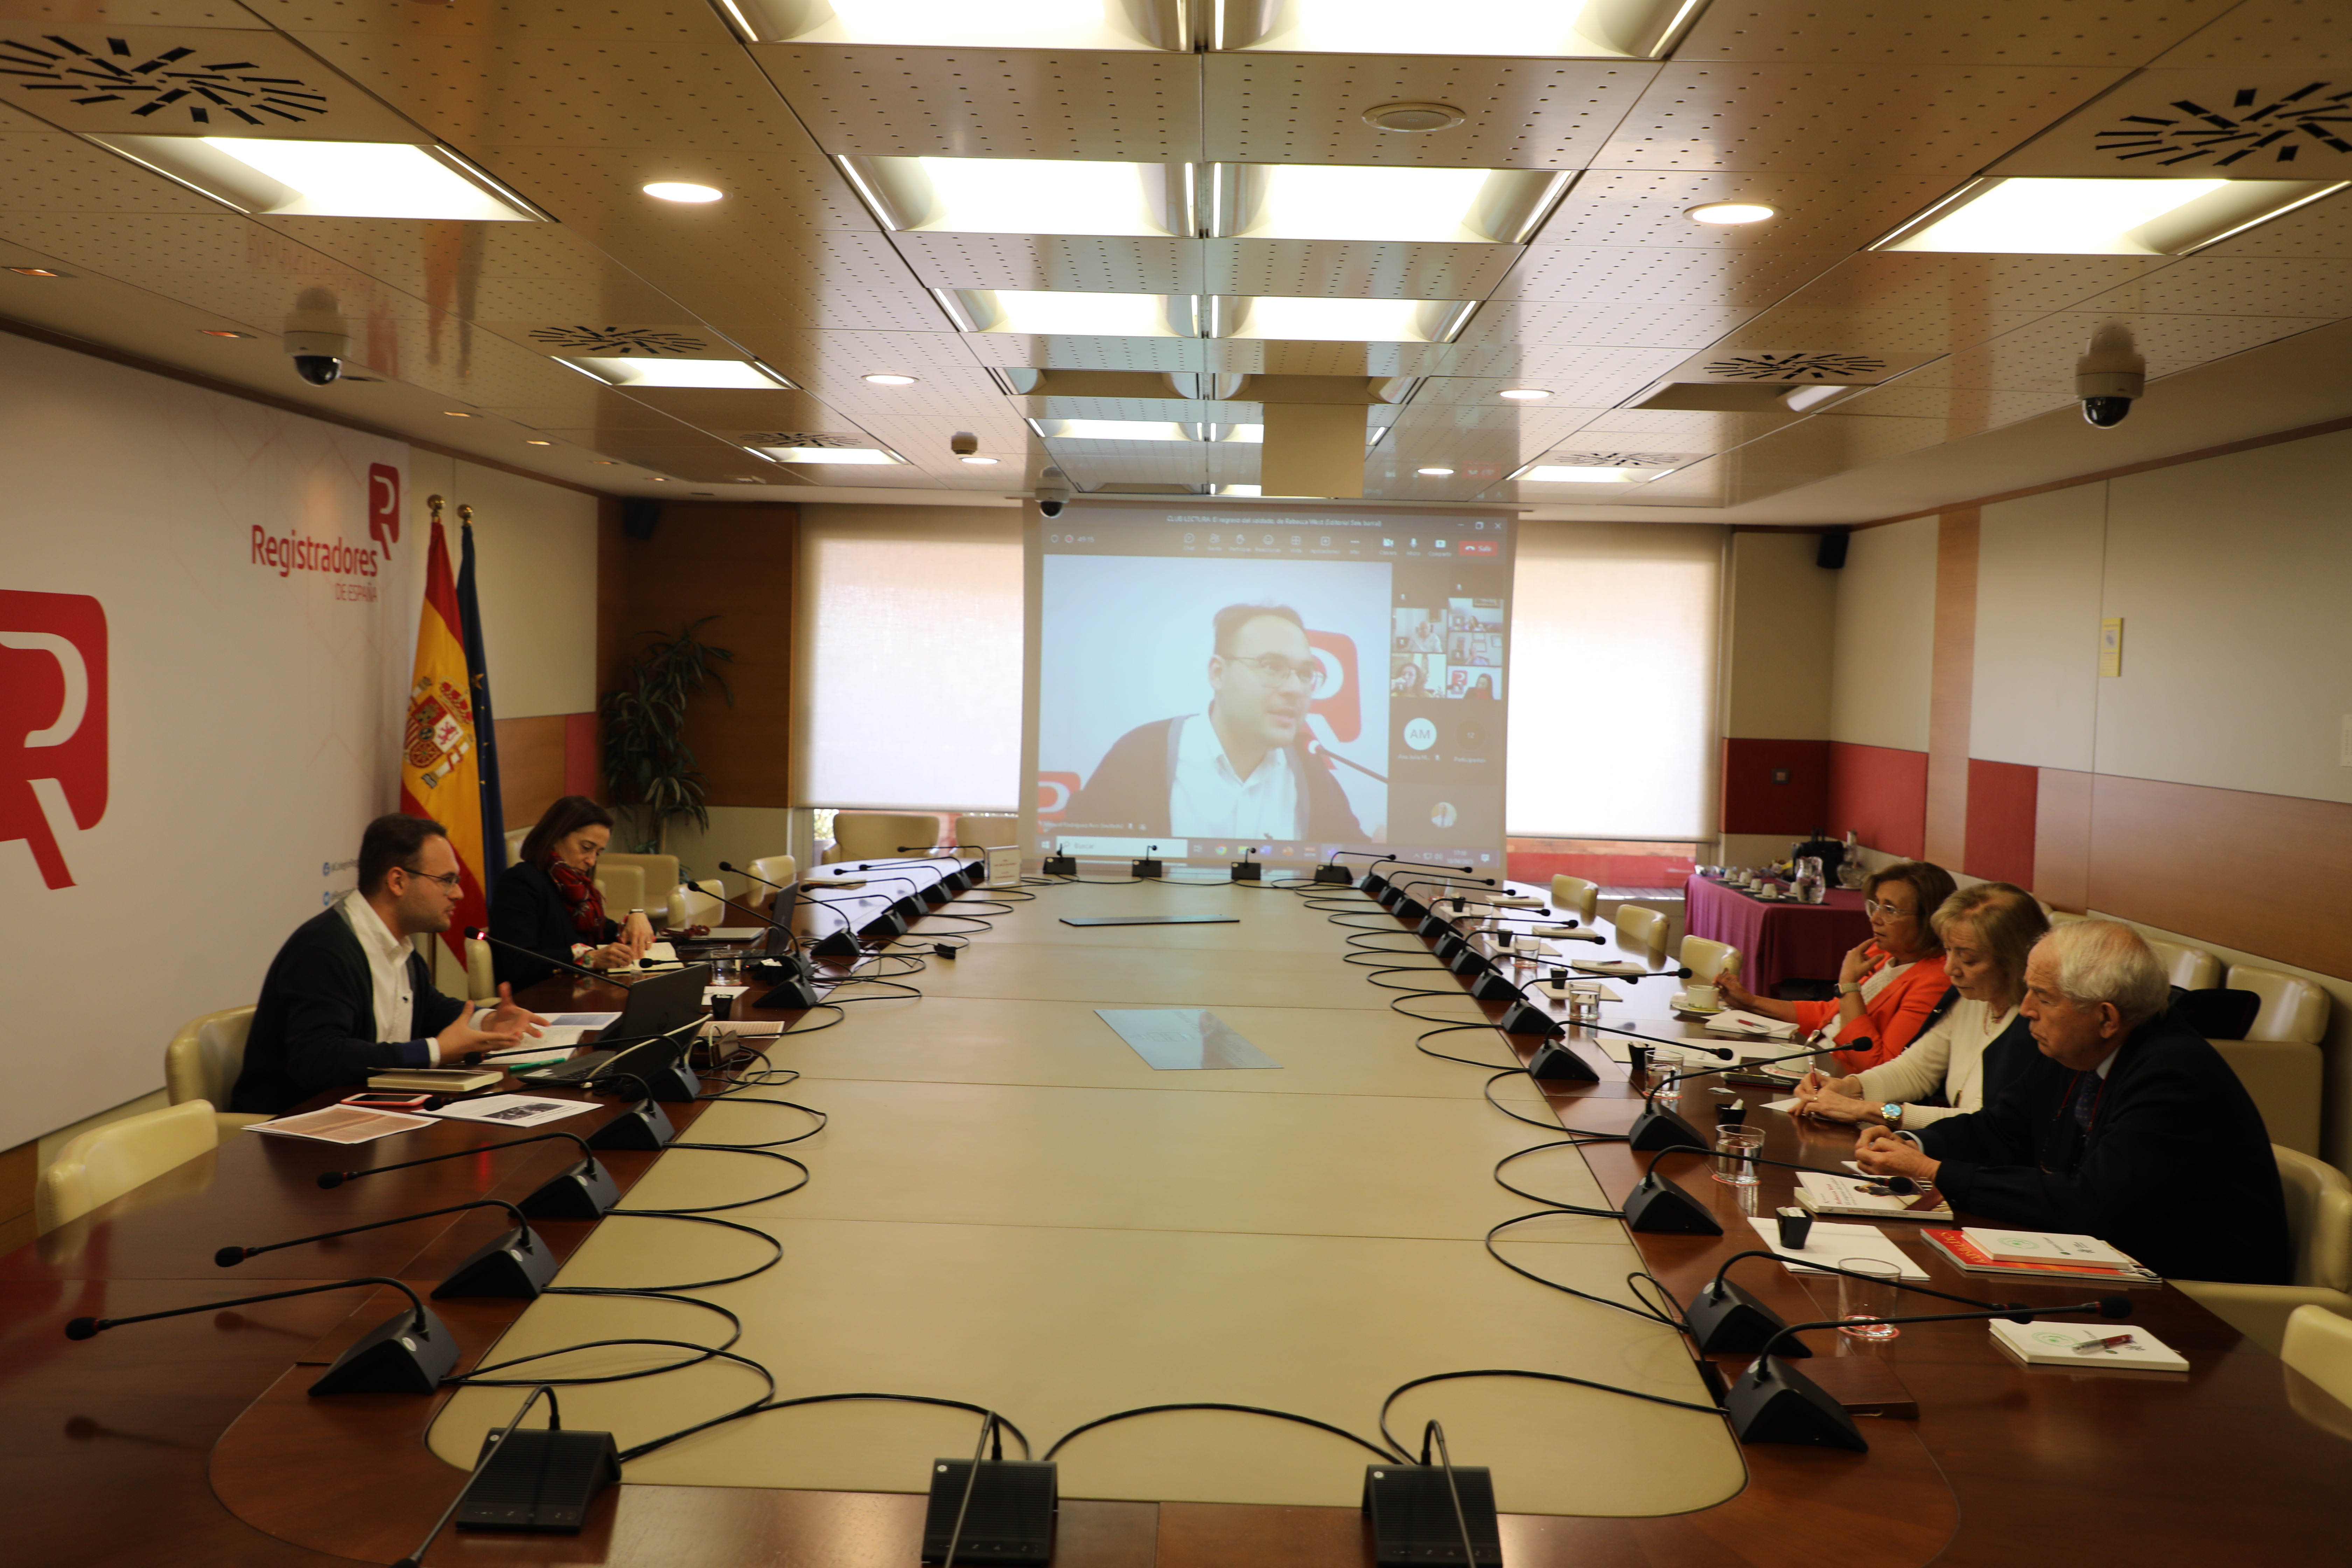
point(877, 835)
point(2190, 968)
point(659, 873)
point(2319, 1218)
point(204, 1059)
point(1577, 895)
point(2318, 1344)
point(2293, 1008)
point(1706, 959)
point(1638, 925)
point(481, 974)
point(107, 1162)
point(987, 829)
point(2283, 1078)
point(623, 888)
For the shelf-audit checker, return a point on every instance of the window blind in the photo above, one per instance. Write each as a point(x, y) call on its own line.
point(906, 658)
point(1613, 707)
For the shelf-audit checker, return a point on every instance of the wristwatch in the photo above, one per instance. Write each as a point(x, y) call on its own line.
point(1848, 988)
point(1893, 1112)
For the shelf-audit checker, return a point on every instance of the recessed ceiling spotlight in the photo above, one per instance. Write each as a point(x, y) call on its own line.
point(1414, 116)
point(35, 272)
point(457, 414)
point(680, 191)
point(656, 478)
point(891, 380)
point(747, 479)
point(1724, 214)
point(606, 462)
point(225, 333)
point(1434, 473)
point(1524, 393)
point(981, 462)
point(534, 441)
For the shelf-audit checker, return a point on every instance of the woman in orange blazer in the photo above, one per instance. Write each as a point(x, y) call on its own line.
point(1888, 987)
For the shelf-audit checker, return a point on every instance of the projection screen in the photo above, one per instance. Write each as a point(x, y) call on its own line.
point(1205, 680)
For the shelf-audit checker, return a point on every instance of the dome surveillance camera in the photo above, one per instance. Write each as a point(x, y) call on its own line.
point(318, 369)
point(1053, 493)
point(963, 443)
point(318, 355)
point(2110, 378)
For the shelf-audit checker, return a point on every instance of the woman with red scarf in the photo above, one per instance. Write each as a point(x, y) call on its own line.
point(547, 901)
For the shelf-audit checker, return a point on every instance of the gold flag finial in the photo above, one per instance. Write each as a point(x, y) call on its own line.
point(435, 502)
point(465, 514)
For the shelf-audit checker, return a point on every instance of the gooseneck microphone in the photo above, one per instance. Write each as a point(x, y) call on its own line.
point(409, 1352)
point(1774, 1403)
point(584, 1191)
point(1402, 904)
point(540, 1480)
point(1376, 884)
point(1659, 1129)
point(797, 989)
point(515, 1264)
point(603, 977)
point(1724, 1319)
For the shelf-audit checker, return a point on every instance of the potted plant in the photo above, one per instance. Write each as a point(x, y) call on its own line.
point(648, 767)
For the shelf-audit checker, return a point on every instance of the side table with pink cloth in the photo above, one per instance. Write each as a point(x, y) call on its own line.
point(1778, 940)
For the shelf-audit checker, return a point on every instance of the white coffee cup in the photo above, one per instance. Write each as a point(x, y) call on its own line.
point(1700, 996)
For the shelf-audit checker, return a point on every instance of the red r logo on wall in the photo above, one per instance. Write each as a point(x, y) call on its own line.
point(52, 722)
point(383, 506)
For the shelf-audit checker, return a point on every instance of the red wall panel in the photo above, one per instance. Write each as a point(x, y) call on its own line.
point(1881, 793)
point(2003, 799)
point(1754, 802)
point(580, 759)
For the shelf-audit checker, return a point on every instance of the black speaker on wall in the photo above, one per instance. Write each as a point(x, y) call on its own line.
point(1830, 557)
point(640, 516)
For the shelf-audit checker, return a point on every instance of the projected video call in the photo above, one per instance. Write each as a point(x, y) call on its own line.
point(1211, 682)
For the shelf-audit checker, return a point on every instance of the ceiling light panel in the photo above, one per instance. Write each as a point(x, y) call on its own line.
point(1521, 114)
point(1085, 263)
point(1347, 321)
point(329, 179)
point(831, 457)
point(1934, 34)
point(1378, 202)
point(1001, 311)
point(1351, 270)
point(1597, 29)
point(56, 173)
point(1819, 212)
point(1033, 24)
point(2103, 216)
point(700, 375)
point(1145, 430)
point(1020, 195)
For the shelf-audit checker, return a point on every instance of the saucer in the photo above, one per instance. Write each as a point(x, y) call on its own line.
point(1680, 1005)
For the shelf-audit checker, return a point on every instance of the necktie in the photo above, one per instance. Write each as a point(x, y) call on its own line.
point(2086, 1098)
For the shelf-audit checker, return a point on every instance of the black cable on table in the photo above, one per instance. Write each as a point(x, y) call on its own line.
point(1208, 1404)
point(761, 1406)
point(1404, 1388)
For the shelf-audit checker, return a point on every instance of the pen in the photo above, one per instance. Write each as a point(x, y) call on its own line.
point(2087, 1346)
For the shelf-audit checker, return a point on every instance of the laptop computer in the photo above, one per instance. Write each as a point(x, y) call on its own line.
point(660, 1007)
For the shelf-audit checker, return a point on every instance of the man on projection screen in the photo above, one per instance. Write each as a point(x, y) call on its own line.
point(1242, 769)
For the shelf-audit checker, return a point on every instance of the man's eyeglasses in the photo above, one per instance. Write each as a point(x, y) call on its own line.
point(1873, 907)
point(450, 882)
point(1274, 669)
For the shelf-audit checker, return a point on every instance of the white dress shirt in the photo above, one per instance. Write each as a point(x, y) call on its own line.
point(1207, 799)
point(387, 955)
point(1948, 1057)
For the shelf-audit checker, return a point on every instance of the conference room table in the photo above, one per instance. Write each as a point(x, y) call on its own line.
point(191, 1440)
point(1778, 938)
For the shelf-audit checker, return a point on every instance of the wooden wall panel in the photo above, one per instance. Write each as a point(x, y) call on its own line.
point(1753, 802)
point(2062, 839)
point(1952, 692)
point(735, 563)
point(2002, 822)
point(2267, 873)
point(530, 766)
point(1881, 793)
point(582, 772)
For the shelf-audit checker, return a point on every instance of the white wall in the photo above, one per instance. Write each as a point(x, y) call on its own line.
point(1881, 667)
point(2040, 565)
point(253, 719)
point(1779, 624)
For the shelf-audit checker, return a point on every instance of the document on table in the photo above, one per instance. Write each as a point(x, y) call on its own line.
point(342, 1125)
point(1170, 1039)
point(513, 1109)
point(1831, 1245)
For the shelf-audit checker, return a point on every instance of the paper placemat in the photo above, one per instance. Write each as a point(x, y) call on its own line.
point(1832, 1244)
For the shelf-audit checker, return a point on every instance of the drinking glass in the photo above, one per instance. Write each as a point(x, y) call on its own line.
point(1735, 1154)
point(1872, 1297)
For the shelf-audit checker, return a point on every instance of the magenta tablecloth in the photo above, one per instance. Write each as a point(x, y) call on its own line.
point(1777, 942)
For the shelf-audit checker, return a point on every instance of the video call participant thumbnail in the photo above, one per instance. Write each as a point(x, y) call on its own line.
point(1240, 768)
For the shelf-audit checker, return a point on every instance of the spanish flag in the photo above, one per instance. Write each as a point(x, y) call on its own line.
point(438, 765)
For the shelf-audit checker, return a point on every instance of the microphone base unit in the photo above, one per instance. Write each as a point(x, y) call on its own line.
point(1468, 959)
point(1408, 907)
point(1657, 1128)
point(1147, 869)
point(1524, 1019)
point(1413, 1523)
point(539, 1478)
point(1061, 865)
point(1490, 986)
point(396, 1356)
point(796, 992)
point(515, 1265)
point(1377, 886)
point(644, 1126)
point(1248, 871)
point(840, 944)
point(1727, 1320)
point(1555, 1063)
point(1659, 1207)
point(1432, 924)
point(1010, 1518)
point(1334, 875)
point(583, 1192)
point(1774, 1403)
point(936, 894)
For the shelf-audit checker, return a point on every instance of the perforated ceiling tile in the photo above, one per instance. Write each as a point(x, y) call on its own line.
point(1643, 429)
point(60, 173)
point(1936, 122)
point(2242, 285)
point(45, 15)
point(2276, 122)
point(1817, 212)
point(1951, 286)
point(186, 81)
point(484, 271)
point(1813, 449)
point(223, 263)
point(1887, 335)
point(2322, 230)
point(2059, 32)
point(1093, 264)
point(1632, 325)
point(741, 267)
point(2040, 357)
point(1355, 269)
point(2291, 32)
point(1963, 411)
point(647, 20)
point(1178, 409)
point(991, 103)
point(1052, 352)
point(599, 190)
point(949, 379)
point(1308, 109)
point(1581, 375)
point(1661, 278)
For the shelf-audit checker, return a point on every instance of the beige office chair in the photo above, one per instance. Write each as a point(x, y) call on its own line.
point(1575, 896)
point(2318, 1344)
point(2065, 917)
point(102, 1164)
point(657, 874)
point(2319, 1223)
point(782, 870)
point(2279, 1061)
point(623, 888)
point(2190, 968)
point(1639, 926)
point(481, 972)
point(1706, 960)
point(204, 1059)
point(696, 903)
point(877, 835)
point(514, 843)
point(980, 830)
